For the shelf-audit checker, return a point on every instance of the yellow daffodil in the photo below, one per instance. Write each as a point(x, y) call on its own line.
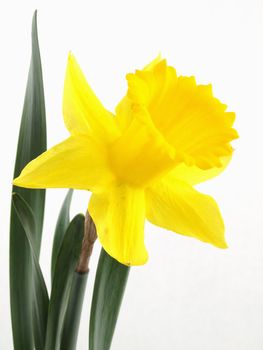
point(168, 135)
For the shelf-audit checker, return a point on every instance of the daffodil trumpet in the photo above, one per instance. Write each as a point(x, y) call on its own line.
point(167, 135)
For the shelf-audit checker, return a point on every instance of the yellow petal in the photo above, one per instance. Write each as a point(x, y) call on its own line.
point(83, 112)
point(191, 120)
point(194, 175)
point(78, 162)
point(178, 207)
point(119, 216)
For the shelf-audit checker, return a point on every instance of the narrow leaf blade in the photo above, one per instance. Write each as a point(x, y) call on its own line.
point(64, 270)
point(41, 301)
point(32, 142)
point(32, 135)
point(73, 314)
point(61, 227)
point(110, 282)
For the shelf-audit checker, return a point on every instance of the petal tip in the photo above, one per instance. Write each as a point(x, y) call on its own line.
point(71, 59)
point(14, 182)
point(136, 262)
point(221, 244)
point(17, 181)
point(70, 55)
point(127, 261)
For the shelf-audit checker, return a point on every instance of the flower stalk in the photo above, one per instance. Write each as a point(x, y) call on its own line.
point(90, 236)
point(78, 287)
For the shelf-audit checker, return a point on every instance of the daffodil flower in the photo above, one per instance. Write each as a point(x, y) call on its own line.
point(167, 135)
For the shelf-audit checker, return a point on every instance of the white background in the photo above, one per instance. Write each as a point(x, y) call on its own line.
point(190, 296)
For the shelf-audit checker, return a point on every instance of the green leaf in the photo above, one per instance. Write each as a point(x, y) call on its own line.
point(32, 136)
point(72, 317)
point(32, 142)
point(64, 270)
point(41, 301)
point(110, 282)
point(61, 227)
